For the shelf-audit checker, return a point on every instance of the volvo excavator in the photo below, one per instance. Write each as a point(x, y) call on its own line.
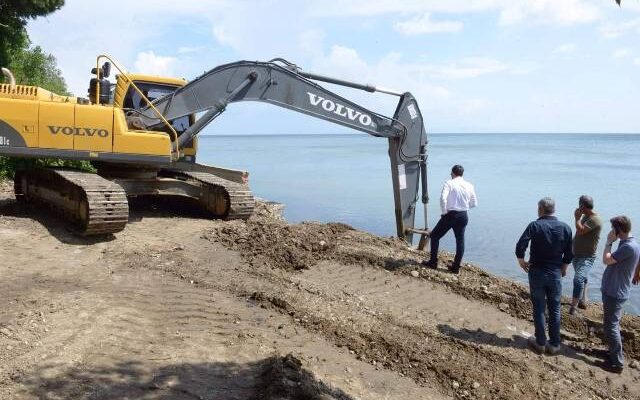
point(140, 134)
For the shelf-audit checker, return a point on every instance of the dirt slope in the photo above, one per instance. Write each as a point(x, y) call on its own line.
point(180, 307)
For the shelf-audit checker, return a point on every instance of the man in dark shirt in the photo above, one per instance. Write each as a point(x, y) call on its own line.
point(549, 258)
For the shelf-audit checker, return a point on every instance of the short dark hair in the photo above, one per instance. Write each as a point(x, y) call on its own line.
point(586, 202)
point(457, 170)
point(621, 223)
point(547, 205)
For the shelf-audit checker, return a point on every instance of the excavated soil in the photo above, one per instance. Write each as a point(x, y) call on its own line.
point(180, 307)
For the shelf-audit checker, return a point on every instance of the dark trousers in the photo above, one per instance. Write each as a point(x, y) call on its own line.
point(456, 220)
point(545, 287)
point(612, 308)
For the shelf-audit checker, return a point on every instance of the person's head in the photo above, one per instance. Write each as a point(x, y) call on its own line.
point(585, 203)
point(546, 206)
point(457, 170)
point(621, 225)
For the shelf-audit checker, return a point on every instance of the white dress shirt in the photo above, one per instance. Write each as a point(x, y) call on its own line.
point(457, 195)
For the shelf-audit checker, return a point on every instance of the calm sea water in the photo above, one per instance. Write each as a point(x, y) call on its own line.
point(346, 178)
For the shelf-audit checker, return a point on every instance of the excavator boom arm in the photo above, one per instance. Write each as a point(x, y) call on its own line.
point(286, 86)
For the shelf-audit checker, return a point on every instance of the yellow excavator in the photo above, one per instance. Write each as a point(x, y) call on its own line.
point(140, 134)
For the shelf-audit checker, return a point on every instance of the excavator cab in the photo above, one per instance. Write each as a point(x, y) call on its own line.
point(151, 88)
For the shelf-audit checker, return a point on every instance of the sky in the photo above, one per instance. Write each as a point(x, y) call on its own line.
point(474, 65)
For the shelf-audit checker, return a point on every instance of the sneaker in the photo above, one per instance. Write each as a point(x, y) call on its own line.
point(429, 264)
point(582, 304)
point(551, 349)
point(533, 343)
point(607, 366)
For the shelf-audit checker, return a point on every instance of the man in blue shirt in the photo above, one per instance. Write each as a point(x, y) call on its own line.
point(549, 257)
point(622, 269)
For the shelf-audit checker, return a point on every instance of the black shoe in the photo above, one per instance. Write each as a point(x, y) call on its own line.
point(582, 305)
point(454, 269)
point(429, 264)
point(607, 366)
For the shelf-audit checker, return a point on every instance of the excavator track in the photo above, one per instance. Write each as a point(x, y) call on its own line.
point(94, 205)
point(223, 198)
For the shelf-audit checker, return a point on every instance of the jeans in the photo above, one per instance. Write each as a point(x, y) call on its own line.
point(582, 266)
point(453, 219)
point(612, 308)
point(546, 288)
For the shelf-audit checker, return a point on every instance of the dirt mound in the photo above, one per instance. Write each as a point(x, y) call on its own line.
point(283, 378)
point(300, 246)
point(269, 239)
point(266, 238)
point(277, 244)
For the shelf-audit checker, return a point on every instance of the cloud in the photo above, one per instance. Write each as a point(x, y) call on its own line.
point(386, 7)
point(636, 61)
point(424, 24)
point(565, 48)
point(621, 53)
point(189, 50)
point(150, 63)
point(613, 31)
point(423, 80)
point(466, 68)
point(563, 12)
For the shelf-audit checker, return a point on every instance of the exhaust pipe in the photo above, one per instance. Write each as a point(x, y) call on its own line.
point(9, 76)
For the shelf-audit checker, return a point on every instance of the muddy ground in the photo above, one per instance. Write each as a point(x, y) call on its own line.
point(181, 307)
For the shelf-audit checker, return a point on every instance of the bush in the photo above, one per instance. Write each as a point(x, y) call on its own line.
point(8, 165)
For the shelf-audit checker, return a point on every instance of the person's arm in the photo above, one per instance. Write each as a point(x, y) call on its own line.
point(443, 198)
point(582, 229)
point(521, 247)
point(636, 276)
point(567, 251)
point(473, 200)
point(607, 256)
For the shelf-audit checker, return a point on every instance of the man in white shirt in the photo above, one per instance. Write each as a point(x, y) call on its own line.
point(457, 197)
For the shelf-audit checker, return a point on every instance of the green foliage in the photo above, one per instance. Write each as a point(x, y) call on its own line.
point(8, 166)
point(30, 66)
point(14, 15)
point(36, 68)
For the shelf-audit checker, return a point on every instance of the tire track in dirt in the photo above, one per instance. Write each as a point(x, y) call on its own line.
point(123, 327)
point(344, 304)
point(294, 339)
point(296, 247)
point(146, 331)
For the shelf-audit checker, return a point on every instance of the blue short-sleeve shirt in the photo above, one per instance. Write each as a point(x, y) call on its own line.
point(616, 280)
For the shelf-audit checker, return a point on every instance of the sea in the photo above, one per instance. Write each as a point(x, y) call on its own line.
point(346, 178)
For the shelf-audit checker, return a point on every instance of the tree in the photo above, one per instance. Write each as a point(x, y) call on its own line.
point(14, 15)
point(36, 68)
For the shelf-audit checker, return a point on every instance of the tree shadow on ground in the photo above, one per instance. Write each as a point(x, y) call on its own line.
point(516, 341)
point(276, 377)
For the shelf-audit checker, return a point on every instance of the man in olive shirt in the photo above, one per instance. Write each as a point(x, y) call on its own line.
point(588, 227)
